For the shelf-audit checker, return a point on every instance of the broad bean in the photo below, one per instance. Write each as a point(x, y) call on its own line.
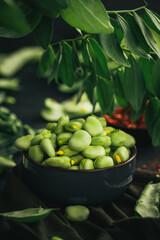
point(37, 139)
point(63, 138)
point(61, 122)
point(73, 126)
point(121, 154)
point(94, 152)
point(93, 126)
point(51, 126)
point(103, 162)
point(36, 154)
point(101, 141)
point(62, 162)
point(86, 164)
point(47, 147)
point(24, 142)
point(77, 213)
point(65, 150)
point(80, 140)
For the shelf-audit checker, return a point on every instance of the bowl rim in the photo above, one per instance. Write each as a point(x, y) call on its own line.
point(75, 170)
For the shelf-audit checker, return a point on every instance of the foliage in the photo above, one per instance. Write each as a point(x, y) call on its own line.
point(113, 48)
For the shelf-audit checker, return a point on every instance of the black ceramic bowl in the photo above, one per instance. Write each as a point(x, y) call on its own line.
point(86, 187)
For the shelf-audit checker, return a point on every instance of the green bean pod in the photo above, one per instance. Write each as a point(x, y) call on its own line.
point(93, 152)
point(61, 162)
point(35, 153)
point(77, 213)
point(47, 147)
point(24, 142)
point(103, 162)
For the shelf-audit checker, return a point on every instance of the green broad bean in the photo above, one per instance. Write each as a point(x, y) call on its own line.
point(56, 238)
point(6, 163)
point(80, 140)
point(101, 141)
point(81, 120)
point(102, 121)
point(93, 126)
point(102, 134)
point(109, 129)
point(75, 167)
point(61, 122)
point(86, 164)
point(38, 138)
point(129, 141)
point(77, 158)
point(73, 126)
point(24, 142)
point(53, 139)
point(77, 213)
point(65, 150)
point(117, 139)
point(103, 162)
point(63, 138)
point(94, 152)
point(121, 154)
point(61, 162)
point(51, 126)
point(47, 147)
point(35, 153)
point(107, 150)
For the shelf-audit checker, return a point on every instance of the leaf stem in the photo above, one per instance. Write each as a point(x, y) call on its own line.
point(71, 39)
point(126, 11)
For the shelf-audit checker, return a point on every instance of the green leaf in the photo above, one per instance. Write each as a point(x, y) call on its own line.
point(119, 91)
point(101, 62)
point(147, 34)
point(32, 16)
point(66, 66)
point(156, 78)
point(147, 204)
point(46, 62)
point(155, 134)
point(50, 8)
point(43, 32)
point(90, 89)
point(117, 30)
point(146, 66)
point(56, 65)
point(89, 16)
point(105, 92)
point(111, 47)
point(85, 53)
point(134, 86)
point(151, 20)
point(136, 115)
point(75, 58)
point(137, 32)
point(28, 215)
point(152, 114)
point(12, 22)
point(130, 38)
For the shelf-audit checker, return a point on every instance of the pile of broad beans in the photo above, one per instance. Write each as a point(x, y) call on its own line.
point(78, 144)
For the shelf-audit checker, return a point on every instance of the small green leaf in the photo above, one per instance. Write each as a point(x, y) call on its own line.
point(156, 78)
point(75, 58)
point(43, 33)
point(85, 53)
point(12, 21)
point(134, 86)
point(46, 62)
point(146, 66)
point(101, 62)
point(66, 65)
point(28, 215)
point(136, 115)
point(89, 16)
point(111, 47)
point(152, 114)
point(119, 92)
point(117, 30)
point(105, 92)
point(147, 34)
point(151, 19)
point(137, 32)
point(147, 204)
point(56, 65)
point(130, 38)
